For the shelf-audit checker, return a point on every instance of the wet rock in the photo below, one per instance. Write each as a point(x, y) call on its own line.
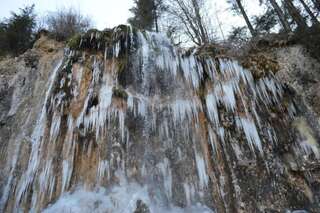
point(169, 128)
point(141, 207)
point(31, 59)
point(119, 93)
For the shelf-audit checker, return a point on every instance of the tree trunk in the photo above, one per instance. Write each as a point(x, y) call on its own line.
point(293, 11)
point(316, 4)
point(191, 27)
point(281, 16)
point(204, 36)
point(244, 14)
point(156, 20)
point(157, 26)
point(306, 7)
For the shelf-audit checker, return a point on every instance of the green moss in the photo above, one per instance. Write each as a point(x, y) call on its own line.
point(96, 41)
point(202, 91)
point(106, 35)
point(123, 27)
point(74, 42)
point(92, 30)
point(119, 93)
point(122, 63)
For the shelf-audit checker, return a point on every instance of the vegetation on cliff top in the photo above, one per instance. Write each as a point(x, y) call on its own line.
point(296, 21)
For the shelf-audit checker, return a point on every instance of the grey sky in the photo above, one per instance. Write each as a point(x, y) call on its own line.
point(109, 13)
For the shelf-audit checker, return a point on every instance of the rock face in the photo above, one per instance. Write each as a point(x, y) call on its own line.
point(134, 125)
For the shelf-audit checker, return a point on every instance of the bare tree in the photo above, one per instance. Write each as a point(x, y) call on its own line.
point(316, 4)
point(159, 9)
point(237, 7)
point(192, 18)
point(284, 22)
point(306, 7)
point(67, 22)
point(295, 14)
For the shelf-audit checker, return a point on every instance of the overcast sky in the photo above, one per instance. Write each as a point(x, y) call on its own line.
point(109, 13)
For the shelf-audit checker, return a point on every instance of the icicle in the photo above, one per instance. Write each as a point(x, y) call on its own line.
point(228, 98)
point(37, 137)
point(116, 49)
point(189, 192)
point(66, 175)
point(211, 68)
point(267, 85)
point(46, 184)
point(55, 126)
point(212, 139)
point(211, 104)
point(144, 50)
point(103, 171)
point(190, 68)
point(69, 142)
point(165, 170)
point(121, 117)
point(185, 109)
point(251, 133)
point(202, 172)
point(166, 57)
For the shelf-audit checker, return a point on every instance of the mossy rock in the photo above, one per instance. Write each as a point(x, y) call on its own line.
point(74, 42)
point(122, 27)
point(97, 41)
point(93, 39)
point(92, 30)
point(122, 63)
point(119, 93)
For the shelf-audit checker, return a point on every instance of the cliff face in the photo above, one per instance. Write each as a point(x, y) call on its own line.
point(124, 122)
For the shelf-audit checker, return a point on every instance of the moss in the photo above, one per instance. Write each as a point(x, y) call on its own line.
point(123, 28)
point(92, 30)
point(106, 36)
point(122, 63)
point(94, 41)
point(119, 93)
point(74, 42)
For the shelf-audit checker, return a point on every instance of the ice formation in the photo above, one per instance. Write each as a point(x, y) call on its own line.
point(92, 125)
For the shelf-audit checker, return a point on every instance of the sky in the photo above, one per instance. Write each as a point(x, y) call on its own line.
point(110, 13)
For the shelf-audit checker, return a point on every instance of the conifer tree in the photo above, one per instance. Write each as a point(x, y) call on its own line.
point(284, 22)
point(237, 6)
point(146, 14)
point(17, 32)
point(295, 14)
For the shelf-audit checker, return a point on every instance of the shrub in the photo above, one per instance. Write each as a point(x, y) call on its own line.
point(66, 23)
